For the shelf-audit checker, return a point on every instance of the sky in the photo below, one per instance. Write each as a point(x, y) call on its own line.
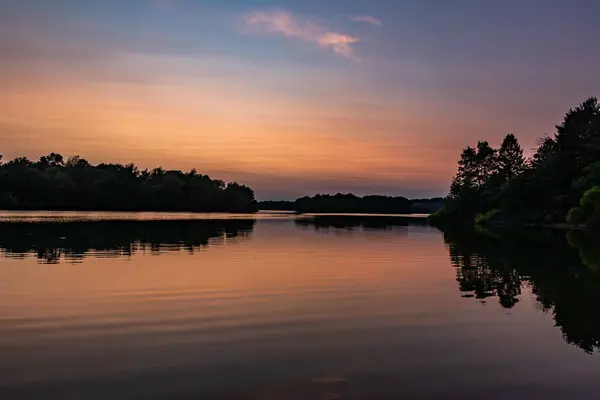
point(292, 97)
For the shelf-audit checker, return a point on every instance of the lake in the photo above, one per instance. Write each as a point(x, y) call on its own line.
point(281, 306)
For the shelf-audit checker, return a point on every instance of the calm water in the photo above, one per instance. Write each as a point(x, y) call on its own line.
point(155, 306)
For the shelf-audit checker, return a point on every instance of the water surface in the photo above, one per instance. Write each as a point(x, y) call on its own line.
point(283, 306)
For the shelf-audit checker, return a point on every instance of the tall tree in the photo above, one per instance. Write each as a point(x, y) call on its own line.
point(511, 162)
point(580, 129)
point(467, 175)
point(546, 148)
point(486, 162)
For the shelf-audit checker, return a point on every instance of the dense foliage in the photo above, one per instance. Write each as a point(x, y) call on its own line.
point(349, 203)
point(561, 179)
point(55, 184)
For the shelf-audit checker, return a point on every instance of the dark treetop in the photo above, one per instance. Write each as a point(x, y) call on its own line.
point(54, 184)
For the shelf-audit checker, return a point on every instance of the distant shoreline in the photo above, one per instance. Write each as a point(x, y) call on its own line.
point(351, 204)
point(170, 212)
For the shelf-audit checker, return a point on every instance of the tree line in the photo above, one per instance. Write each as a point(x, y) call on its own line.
point(560, 183)
point(53, 183)
point(350, 203)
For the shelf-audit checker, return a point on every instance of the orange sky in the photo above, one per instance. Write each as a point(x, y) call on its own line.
point(290, 101)
point(228, 129)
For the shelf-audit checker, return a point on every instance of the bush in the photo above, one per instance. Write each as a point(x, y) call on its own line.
point(437, 218)
point(554, 217)
point(576, 216)
point(590, 200)
point(443, 218)
point(487, 217)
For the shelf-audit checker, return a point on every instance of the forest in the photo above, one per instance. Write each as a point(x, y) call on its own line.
point(558, 184)
point(53, 183)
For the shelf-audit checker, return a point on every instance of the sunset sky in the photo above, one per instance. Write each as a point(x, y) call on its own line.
point(291, 97)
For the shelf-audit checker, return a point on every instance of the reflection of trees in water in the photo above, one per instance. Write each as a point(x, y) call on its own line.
point(563, 277)
point(74, 241)
point(588, 248)
point(477, 278)
point(352, 222)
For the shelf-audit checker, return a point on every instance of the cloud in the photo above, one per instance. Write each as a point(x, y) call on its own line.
point(368, 19)
point(285, 23)
point(340, 43)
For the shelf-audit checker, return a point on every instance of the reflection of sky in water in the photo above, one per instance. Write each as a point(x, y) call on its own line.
point(66, 216)
point(284, 310)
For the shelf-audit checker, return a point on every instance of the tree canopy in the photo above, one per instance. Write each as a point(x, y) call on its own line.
point(53, 183)
point(563, 173)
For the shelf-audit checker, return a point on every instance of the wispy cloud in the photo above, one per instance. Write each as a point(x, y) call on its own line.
point(368, 19)
point(285, 23)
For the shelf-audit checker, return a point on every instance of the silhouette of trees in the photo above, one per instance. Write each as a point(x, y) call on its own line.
point(276, 205)
point(50, 161)
point(423, 206)
point(480, 170)
point(55, 184)
point(541, 189)
point(511, 162)
point(349, 203)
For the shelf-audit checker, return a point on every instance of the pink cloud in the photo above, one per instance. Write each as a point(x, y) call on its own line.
point(368, 19)
point(340, 43)
point(285, 23)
